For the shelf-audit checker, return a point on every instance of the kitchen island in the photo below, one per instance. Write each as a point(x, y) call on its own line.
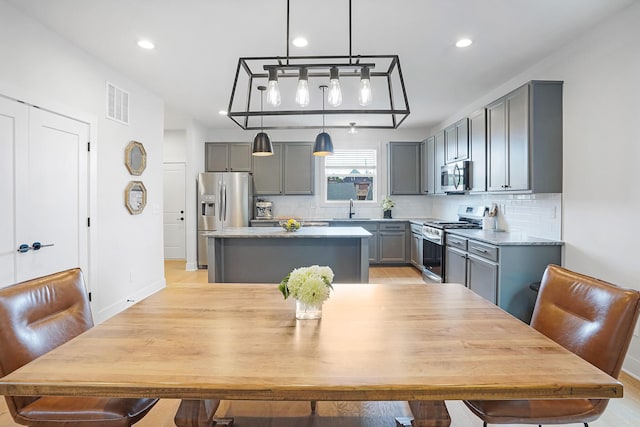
point(268, 254)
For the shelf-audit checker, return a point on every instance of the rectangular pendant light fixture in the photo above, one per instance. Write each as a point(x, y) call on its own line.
point(366, 89)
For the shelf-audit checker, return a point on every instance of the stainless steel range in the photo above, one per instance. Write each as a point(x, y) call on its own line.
point(433, 233)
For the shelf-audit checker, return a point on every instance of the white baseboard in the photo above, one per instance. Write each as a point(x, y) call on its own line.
point(632, 367)
point(192, 266)
point(119, 306)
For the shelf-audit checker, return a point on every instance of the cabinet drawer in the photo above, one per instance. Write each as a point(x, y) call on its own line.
point(370, 226)
point(483, 250)
point(457, 242)
point(394, 226)
point(415, 228)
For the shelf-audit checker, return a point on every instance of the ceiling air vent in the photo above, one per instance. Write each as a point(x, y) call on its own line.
point(117, 104)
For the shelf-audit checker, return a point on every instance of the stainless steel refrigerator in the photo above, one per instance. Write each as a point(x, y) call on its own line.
point(225, 199)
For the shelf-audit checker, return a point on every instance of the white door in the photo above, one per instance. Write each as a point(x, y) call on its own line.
point(13, 128)
point(174, 211)
point(50, 192)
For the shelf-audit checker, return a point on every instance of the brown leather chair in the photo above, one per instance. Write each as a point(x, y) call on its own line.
point(37, 316)
point(591, 318)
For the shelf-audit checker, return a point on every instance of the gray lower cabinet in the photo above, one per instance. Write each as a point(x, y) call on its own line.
point(482, 277)
point(416, 246)
point(371, 227)
point(501, 274)
point(393, 243)
point(227, 157)
point(456, 266)
point(404, 167)
point(290, 170)
point(389, 243)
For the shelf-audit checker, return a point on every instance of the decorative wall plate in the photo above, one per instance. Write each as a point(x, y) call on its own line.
point(135, 197)
point(135, 158)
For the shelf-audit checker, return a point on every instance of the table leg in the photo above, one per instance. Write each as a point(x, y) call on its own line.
point(426, 413)
point(199, 413)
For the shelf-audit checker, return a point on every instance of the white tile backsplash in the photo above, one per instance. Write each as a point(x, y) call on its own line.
point(533, 214)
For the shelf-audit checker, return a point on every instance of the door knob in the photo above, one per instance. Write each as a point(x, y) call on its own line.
point(34, 247)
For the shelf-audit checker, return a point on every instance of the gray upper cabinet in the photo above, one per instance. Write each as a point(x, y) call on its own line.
point(524, 139)
point(404, 167)
point(228, 157)
point(428, 166)
point(299, 163)
point(439, 161)
point(457, 141)
point(289, 171)
point(267, 173)
point(478, 150)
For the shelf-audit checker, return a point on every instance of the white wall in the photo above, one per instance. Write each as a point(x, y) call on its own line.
point(601, 151)
point(41, 68)
point(175, 146)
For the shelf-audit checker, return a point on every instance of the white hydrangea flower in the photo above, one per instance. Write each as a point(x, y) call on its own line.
point(310, 285)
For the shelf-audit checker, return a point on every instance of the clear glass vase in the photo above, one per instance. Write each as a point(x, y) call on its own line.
point(307, 311)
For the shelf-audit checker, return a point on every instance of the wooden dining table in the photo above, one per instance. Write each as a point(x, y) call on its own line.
point(418, 343)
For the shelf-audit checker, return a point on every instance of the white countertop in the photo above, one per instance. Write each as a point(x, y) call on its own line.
point(503, 238)
point(279, 232)
point(413, 220)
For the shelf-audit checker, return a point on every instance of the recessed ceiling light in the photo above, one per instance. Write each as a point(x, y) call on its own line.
point(146, 44)
point(463, 43)
point(300, 42)
point(222, 112)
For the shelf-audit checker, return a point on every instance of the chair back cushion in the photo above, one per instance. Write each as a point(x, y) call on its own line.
point(591, 318)
point(37, 316)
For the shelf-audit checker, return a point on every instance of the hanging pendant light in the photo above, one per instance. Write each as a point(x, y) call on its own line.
point(335, 93)
point(323, 145)
point(302, 93)
point(262, 143)
point(364, 95)
point(273, 90)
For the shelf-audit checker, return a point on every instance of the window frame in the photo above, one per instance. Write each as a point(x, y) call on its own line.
point(376, 180)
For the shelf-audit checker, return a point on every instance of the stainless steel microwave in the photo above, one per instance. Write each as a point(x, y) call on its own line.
point(456, 177)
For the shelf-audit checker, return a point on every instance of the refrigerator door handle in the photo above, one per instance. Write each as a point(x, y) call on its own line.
point(220, 201)
point(224, 191)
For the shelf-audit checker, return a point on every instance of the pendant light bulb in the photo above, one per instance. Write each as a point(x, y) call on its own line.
point(302, 93)
point(335, 94)
point(364, 95)
point(273, 90)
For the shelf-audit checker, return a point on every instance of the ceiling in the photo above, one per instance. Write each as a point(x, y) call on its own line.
point(198, 42)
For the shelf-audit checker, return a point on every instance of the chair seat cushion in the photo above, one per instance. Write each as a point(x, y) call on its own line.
point(85, 411)
point(537, 411)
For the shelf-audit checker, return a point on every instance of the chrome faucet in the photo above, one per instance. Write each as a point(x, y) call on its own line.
point(351, 211)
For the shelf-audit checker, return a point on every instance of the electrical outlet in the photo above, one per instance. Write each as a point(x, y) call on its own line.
point(637, 330)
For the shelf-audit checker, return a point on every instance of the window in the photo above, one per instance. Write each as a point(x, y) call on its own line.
point(351, 174)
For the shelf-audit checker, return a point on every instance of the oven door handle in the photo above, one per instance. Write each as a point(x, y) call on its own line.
point(432, 239)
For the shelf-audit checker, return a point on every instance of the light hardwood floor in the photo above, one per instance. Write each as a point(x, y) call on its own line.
point(623, 412)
